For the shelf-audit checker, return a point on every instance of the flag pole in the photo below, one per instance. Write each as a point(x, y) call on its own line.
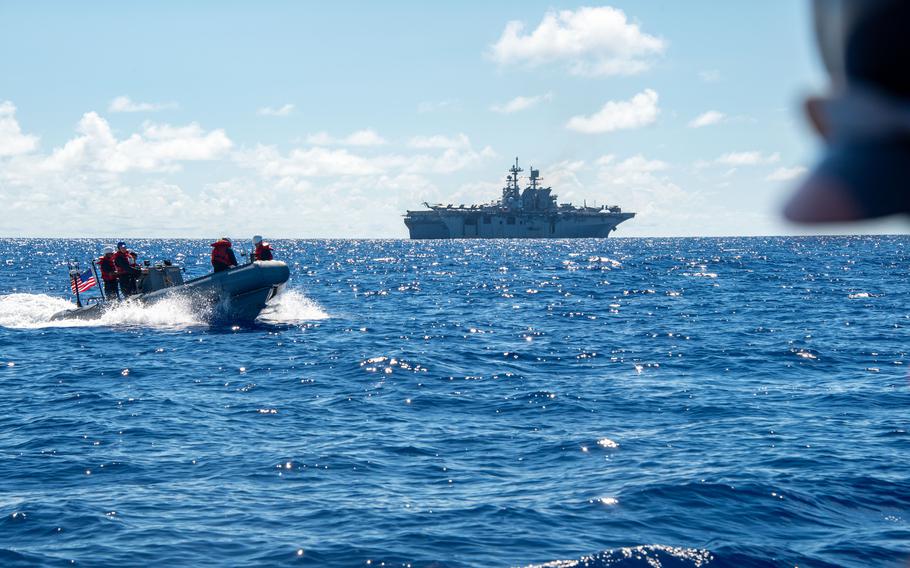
point(100, 284)
point(75, 282)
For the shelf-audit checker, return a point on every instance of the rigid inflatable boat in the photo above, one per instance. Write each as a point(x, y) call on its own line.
point(234, 295)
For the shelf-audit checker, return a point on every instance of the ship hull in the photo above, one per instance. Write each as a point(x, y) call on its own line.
point(478, 225)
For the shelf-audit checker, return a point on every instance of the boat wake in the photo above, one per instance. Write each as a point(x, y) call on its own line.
point(291, 307)
point(33, 311)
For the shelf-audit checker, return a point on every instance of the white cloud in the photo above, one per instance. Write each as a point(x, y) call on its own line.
point(639, 111)
point(366, 137)
point(323, 162)
point(752, 158)
point(159, 147)
point(310, 162)
point(320, 139)
point(642, 185)
point(280, 111)
point(450, 161)
point(636, 170)
point(439, 141)
point(79, 187)
point(12, 141)
point(565, 179)
point(521, 103)
point(787, 174)
point(707, 119)
point(125, 104)
point(592, 41)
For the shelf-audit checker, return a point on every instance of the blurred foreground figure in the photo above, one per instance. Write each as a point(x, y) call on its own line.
point(865, 121)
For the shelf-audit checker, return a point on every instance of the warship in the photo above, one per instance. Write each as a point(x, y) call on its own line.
point(529, 213)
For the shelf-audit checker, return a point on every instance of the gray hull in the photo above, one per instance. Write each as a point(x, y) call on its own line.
point(466, 224)
point(235, 295)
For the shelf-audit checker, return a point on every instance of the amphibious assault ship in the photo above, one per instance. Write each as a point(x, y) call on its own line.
point(529, 213)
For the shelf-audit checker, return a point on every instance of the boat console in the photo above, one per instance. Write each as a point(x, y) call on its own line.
point(160, 276)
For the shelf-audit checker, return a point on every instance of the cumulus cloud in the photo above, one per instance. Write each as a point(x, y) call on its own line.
point(521, 103)
point(440, 141)
point(565, 177)
point(639, 111)
point(366, 137)
point(125, 104)
point(280, 111)
point(707, 119)
point(451, 160)
point(636, 169)
point(307, 162)
point(787, 174)
point(79, 187)
point(591, 41)
point(324, 162)
point(643, 185)
point(158, 147)
point(12, 140)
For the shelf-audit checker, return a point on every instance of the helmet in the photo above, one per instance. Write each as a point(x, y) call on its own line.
point(228, 239)
point(108, 249)
point(121, 244)
point(257, 239)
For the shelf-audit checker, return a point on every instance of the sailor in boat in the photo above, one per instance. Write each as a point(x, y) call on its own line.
point(127, 271)
point(223, 255)
point(108, 272)
point(262, 250)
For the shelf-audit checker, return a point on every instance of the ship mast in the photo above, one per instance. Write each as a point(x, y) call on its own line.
point(535, 177)
point(514, 177)
point(511, 192)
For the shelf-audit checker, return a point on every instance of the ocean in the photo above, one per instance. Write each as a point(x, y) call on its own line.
point(620, 402)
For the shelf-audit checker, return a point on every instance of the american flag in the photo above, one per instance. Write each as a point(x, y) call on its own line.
point(84, 281)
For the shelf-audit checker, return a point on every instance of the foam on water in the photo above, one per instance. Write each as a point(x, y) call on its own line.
point(290, 307)
point(25, 311)
point(178, 311)
point(650, 556)
point(32, 311)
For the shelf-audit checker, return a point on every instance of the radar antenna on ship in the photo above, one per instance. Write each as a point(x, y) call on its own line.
point(511, 193)
point(513, 178)
point(535, 177)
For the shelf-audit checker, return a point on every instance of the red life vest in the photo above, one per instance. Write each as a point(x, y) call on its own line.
point(108, 270)
point(263, 251)
point(127, 257)
point(220, 253)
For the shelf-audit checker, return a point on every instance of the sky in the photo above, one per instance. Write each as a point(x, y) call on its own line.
point(330, 120)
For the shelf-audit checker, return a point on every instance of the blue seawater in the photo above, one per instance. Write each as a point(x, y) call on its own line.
point(619, 402)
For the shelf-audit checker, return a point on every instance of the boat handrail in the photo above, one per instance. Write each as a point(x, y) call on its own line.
point(198, 278)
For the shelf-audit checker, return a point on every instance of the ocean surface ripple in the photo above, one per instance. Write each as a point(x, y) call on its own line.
point(619, 402)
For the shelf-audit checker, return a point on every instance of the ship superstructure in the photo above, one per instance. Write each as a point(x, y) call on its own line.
point(526, 213)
